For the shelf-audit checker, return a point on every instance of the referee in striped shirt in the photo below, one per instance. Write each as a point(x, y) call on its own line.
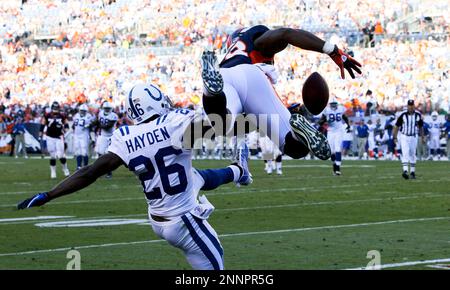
point(410, 124)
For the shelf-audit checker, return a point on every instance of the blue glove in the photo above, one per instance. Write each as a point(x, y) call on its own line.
point(36, 200)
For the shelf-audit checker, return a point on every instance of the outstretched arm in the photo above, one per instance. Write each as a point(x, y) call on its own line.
point(274, 41)
point(77, 181)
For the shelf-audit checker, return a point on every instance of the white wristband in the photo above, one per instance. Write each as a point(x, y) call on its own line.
point(328, 47)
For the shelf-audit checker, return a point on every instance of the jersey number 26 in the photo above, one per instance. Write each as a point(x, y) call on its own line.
point(143, 167)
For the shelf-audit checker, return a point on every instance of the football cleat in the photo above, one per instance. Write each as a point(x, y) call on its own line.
point(405, 175)
point(316, 142)
point(242, 161)
point(212, 79)
point(412, 175)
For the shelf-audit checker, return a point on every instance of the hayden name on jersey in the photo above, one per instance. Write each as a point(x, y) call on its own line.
point(154, 152)
point(334, 118)
point(81, 124)
point(104, 119)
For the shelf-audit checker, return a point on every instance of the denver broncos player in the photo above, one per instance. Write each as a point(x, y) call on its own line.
point(247, 74)
point(53, 126)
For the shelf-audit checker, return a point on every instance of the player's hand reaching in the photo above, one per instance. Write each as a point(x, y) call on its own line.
point(36, 200)
point(343, 60)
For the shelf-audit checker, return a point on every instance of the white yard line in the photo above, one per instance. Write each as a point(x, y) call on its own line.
point(404, 264)
point(233, 235)
point(333, 202)
point(33, 218)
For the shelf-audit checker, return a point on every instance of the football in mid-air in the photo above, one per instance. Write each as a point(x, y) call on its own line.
point(315, 93)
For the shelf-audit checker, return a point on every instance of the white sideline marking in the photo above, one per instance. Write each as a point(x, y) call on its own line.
point(90, 223)
point(330, 202)
point(233, 235)
point(425, 195)
point(311, 188)
point(411, 263)
point(325, 166)
point(34, 218)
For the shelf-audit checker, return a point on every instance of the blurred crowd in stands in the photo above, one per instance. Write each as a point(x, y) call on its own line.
point(89, 51)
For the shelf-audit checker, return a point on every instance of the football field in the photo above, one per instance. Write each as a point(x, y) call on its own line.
point(304, 219)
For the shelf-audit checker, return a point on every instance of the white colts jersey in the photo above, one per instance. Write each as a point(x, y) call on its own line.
point(81, 125)
point(334, 118)
point(435, 128)
point(153, 151)
point(104, 119)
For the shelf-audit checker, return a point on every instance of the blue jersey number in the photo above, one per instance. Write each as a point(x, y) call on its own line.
point(335, 117)
point(79, 122)
point(144, 168)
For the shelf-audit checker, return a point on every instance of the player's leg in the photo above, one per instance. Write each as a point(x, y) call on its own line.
point(51, 147)
point(279, 163)
point(331, 141)
point(62, 156)
point(85, 150)
point(77, 151)
point(101, 147)
point(196, 238)
point(338, 151)
point(237, 172)
point(405, 156)
point(293, 134)
point(412, 156)
point(219, 93)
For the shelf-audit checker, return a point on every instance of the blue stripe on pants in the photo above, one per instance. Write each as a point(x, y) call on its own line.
point(200, 243)
point(210, 236)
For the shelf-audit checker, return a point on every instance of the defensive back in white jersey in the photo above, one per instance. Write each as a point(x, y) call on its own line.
point(334, 118)
point(154, 152)
point(435, 128)
point(103, 119)
point(81, 124)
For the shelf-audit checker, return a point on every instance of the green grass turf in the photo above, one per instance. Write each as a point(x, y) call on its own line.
point(306, 196)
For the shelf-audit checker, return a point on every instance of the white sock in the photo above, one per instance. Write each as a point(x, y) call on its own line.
point(279, 164)
point(405, 167)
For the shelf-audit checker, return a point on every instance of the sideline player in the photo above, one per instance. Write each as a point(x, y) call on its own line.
point(334, 115)
point(155, 150)
point(248, 87)
point(435, 137)
point(106, 120)
point(81, 128)
point(410, 124)
point(53, 126)
point(271, 155)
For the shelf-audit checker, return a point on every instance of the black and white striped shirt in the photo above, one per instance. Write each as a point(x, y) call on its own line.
point(409, 124)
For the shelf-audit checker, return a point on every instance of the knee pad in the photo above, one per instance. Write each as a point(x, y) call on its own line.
point(63, 160)
point(52, 162)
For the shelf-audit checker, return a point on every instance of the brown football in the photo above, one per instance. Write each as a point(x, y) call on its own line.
point(315, 93)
